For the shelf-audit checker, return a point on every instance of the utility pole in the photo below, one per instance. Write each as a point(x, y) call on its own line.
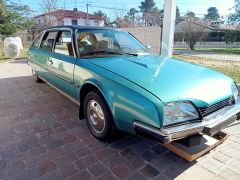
point(87, 4)
point(64, 4)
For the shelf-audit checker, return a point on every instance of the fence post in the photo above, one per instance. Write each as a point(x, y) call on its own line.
point(168, 27)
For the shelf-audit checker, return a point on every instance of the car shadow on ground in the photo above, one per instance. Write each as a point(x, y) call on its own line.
point(42, 136)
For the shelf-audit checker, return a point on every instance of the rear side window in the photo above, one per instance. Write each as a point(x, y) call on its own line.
point(37, 41)
point(48, 41)
point(64, 43)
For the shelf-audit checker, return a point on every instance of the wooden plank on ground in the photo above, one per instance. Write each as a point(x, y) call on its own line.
point(191, 153)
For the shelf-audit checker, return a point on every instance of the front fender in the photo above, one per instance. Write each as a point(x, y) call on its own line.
point(126, 105)
point(127, 101)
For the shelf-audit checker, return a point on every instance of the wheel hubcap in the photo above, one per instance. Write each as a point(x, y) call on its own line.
point(95, 116)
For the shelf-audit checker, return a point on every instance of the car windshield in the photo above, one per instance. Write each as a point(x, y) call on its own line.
point(105, 42)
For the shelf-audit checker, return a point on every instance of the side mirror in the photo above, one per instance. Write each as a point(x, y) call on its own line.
point(147, 46)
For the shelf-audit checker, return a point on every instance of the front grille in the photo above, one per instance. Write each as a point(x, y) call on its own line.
point(210, 109)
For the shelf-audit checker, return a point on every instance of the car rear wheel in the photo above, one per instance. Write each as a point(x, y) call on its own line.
point(35, 77)
point(98, 117)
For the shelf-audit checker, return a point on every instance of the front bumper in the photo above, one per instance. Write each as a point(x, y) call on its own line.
point(210, 125)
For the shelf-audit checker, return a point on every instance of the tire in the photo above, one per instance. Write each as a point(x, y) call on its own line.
point(35, 77)
point(98, 116)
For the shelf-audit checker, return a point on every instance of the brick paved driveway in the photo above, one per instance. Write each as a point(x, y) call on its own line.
point(41, 137)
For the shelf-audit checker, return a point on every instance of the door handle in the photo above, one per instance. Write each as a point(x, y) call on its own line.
point(50, 61)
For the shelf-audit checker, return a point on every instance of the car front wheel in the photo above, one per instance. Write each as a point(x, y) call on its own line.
point(98, 117)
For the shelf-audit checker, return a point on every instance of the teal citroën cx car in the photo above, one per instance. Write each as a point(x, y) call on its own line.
point(119, 84)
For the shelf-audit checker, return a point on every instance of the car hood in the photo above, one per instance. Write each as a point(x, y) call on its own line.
point(170, 79)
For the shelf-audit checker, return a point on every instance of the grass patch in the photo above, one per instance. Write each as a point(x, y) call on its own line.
point(23, 54)
point(235, 51)
point(230, 68)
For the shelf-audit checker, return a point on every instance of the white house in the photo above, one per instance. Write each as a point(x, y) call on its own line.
point(68, 17)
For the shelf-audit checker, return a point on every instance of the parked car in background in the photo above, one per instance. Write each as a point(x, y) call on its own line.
point(120, 84)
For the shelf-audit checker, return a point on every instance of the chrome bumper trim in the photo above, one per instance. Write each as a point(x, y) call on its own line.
point(210, 125)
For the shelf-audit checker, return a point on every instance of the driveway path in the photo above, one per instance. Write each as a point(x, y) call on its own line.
point(42, 138)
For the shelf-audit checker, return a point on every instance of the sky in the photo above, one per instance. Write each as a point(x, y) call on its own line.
point(108, 6)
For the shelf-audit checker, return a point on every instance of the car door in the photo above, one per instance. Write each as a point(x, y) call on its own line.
point(35, 55)
point(61, 63)
point(43, 54)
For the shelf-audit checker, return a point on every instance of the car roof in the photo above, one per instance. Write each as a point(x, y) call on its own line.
point(74, 27)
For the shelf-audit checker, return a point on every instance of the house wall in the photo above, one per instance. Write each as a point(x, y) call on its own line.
point(82, 22)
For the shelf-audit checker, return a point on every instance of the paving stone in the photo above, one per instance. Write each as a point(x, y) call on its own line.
point(112, 161)
point(83, 152)
point(97, 170)
point(69, 138)
point(3, 173)
point(52, 175)
point(35, 160)
point(67, 170)
point(2, 164)
point(136, 175)
point(212, 165)
point(96, 145)
point(127, 153)
point(234, 165)
point(159, 149)
point(149, 155)
point(107, 176)
point(81, 175)
point(54, 144)
point(27, 143)
point(86, 161)
point(229, 174)
point(149, 171)
point(46, 167)
point(55, 153)
point(120, 170)
point(16, 168)
point(135, 163)
point(172, 172)
point(65, 158)
point(26, 175)
point(103, 153)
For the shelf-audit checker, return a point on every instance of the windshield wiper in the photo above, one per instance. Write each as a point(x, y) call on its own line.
point(131, 54)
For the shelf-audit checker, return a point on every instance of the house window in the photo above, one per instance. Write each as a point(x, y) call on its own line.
point(74, 22)
point(96, 23)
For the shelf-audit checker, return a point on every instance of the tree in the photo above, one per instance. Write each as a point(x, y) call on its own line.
point(235, 17)
point(99, 13)
point(190, 14)
point(193, 32)
point(177, 14)
point(14, 17)
point(212, 14)
point(146, 7)
point(132, 15)
point(49, 5)
point(103, 15)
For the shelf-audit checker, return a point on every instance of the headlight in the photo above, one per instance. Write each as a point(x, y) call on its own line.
point(176, 112)
point(235, 91)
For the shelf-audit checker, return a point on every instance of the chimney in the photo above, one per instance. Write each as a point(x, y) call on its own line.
point(75, 9)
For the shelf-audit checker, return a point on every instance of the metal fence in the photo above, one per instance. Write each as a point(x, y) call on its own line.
point(221, 54)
